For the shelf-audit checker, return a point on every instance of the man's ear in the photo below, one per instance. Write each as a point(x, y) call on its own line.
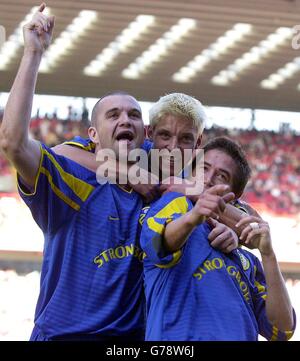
point(93, 134)
point(198, 142)
point(150, 133)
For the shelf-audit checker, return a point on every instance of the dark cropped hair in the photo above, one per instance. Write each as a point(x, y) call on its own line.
point(234, 150)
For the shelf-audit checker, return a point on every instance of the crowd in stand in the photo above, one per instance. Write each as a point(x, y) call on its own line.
point(274, 157)
point(275, 164)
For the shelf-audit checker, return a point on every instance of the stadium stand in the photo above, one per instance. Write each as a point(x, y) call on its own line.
point(274, 158)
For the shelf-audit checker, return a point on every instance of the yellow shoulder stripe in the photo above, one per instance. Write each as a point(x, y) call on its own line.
point(58, 192)
point(79, 145)
point(78, 186)
point(175, 260)
point(178, 205)
point(90, 146)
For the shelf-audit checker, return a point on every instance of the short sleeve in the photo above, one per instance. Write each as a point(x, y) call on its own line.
point(59, 192)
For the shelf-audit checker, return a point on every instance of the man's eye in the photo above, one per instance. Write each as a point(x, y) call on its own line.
point(135, 115)
point(187, 139)
point(222, 177)
point(165, 135)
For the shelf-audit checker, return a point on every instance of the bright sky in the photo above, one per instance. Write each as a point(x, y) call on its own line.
point(221, 116)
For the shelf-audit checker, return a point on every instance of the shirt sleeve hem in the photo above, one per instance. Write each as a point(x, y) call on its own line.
point(22, 185)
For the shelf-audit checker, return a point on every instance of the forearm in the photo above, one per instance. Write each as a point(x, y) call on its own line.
point(177, 232)
point(17, 112)
point(278, 305)
point(81, 156)
point(14, 139)
point(231, 216)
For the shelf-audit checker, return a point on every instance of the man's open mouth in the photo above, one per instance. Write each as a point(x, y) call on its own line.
point(126, 135)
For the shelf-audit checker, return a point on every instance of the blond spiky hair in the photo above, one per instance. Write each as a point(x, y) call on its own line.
point(178, 104)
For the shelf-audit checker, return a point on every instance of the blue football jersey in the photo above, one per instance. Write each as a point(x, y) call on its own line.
point(91, 279)
point(87, 144)
point(199, 293)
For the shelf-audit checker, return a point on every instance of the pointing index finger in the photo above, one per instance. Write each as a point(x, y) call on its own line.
point(219, 189)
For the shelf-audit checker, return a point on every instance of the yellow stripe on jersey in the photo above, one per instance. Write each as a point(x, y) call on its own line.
point(58, 192)
point(78, 186)
point(175, 260)
point(260, 287)
point(155, 226)
point(178, 205)
point(275, 331)
point(274, 334)
point(89, 147)
point(79, 145)
point(288, 334)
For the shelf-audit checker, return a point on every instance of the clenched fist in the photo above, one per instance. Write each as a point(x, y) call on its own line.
point(38, 32)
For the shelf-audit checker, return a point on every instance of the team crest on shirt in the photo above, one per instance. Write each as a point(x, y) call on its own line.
point(244, 260)
point(143, 214)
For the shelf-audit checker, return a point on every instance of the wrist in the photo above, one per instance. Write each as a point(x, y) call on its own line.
point(194, 219)
point(31, 52)
point(268, 255)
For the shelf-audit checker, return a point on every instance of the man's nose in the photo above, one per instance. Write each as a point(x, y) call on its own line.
point(172, 144)
point(124, 120)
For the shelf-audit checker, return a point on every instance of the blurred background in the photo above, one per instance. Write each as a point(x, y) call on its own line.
point(240, 59)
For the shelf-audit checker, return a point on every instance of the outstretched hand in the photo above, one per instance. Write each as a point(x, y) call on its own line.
point(38, 32)
point(212, 203)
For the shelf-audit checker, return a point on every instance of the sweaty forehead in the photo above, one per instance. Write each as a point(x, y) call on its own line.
point(118, 101)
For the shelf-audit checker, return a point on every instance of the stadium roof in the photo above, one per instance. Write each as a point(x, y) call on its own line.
point(229, 53)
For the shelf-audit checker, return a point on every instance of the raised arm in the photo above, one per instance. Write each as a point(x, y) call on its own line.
point(256, 234)
point(23, 152)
